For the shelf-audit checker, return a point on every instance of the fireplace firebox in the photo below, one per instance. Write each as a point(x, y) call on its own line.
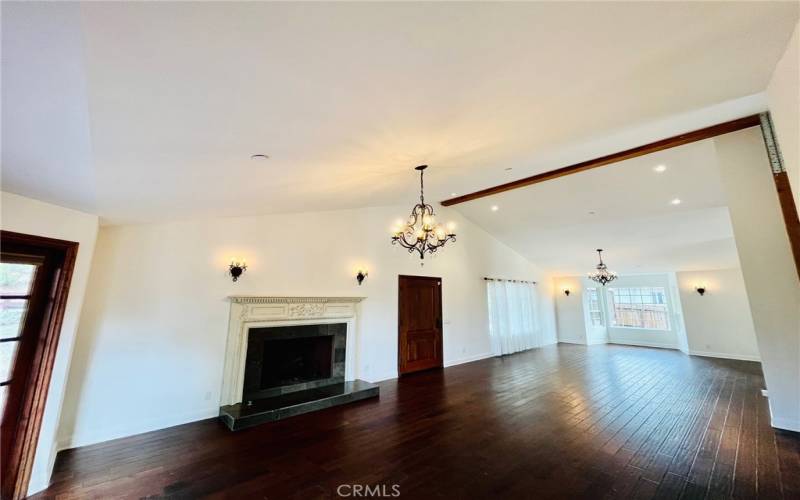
point(286, 359)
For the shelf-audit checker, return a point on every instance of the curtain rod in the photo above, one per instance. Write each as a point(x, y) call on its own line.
point(512, 281)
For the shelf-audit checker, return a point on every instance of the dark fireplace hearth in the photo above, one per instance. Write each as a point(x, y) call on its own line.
point(291, 370)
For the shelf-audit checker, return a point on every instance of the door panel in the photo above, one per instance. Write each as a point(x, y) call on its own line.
point(420, 324)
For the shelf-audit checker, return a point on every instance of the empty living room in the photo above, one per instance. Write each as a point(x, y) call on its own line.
point(478, 250)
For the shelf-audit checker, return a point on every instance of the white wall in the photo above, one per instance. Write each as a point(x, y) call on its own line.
point(152, 335)
point(718, 323)
point(24, 215)
point(773, 289)
point(574, 325)
point(783, 96)
point(569, 310)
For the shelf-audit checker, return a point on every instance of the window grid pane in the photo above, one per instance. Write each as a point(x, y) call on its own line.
point(642, 307)
point(16, 279)
point(12, 316)
point(595, 314)
point(8, 351)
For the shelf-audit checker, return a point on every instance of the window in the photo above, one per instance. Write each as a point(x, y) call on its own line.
point(595, 312)
point(513, 318)
point(644, 307)
point(16, 280)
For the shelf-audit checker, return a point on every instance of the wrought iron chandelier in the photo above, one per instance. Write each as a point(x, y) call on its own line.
point(420, 233)
point(602, 275)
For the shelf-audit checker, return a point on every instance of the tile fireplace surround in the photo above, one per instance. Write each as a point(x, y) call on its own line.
point(259, 312)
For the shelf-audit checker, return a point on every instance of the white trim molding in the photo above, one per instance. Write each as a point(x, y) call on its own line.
point(249, 311)
point(468, 359)
point(724, 355)
point(787, 424)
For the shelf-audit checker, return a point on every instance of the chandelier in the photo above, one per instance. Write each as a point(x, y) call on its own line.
point(602, 275)
point(420, 233)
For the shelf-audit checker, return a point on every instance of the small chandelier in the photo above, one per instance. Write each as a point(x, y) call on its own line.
point(602, 275)
point(420, 233)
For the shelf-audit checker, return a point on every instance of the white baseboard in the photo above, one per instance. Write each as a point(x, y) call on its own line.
point(788, 424)
point(646, 344)
point(468, 359)
point(95, 436)
point(725, 355)
point(380, 378)
point(575, 342)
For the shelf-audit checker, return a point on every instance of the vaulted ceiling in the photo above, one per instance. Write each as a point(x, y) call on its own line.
point(146, 111)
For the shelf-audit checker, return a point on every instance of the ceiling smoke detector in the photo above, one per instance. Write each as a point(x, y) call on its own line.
point(259, 157)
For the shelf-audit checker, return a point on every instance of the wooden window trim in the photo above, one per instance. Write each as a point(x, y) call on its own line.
point(18, 459)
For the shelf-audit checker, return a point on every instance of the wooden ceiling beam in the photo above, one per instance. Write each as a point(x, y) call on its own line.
point(670, 142)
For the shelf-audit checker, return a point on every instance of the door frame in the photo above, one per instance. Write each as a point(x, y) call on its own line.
point(400, 277)
point(18, 458)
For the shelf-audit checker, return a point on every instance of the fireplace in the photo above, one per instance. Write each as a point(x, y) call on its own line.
point(287, 356)
point(286, 359)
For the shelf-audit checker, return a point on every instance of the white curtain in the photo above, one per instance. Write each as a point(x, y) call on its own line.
point(513, 316)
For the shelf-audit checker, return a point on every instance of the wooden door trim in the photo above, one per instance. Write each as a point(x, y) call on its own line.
point(400, 277)
point(16, 471)
point(652, 147)
point(790, 216)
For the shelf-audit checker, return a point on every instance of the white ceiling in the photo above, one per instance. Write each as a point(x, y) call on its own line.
point(146, 111)
point(624, 208)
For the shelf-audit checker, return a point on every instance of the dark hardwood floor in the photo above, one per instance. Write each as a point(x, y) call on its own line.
point(559, 422)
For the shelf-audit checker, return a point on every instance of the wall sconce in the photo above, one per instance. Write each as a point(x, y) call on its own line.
point(237, 268)
point(566, 291)
point(361, 275)
point(701, 289)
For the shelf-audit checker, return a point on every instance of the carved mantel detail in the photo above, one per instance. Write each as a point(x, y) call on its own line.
point(306, 310)
point(264, 311)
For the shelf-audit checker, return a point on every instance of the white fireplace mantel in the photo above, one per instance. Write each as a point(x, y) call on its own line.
point(251, 311)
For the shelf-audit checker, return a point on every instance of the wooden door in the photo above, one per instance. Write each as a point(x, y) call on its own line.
point(35, 275)
point(419, 324)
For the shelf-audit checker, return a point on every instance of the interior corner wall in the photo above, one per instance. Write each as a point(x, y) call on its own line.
point(718, 323)
point(152, 337)
point(569, 309)
point(24, 215)
point(783, 98)
point(773, 289)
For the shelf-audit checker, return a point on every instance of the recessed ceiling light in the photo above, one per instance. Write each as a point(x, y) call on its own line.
point(495, 208)
point(453, 194)
point(676, 201)
point(509, 169)
point(660, 168)
point(259, 157)
point(592, 212)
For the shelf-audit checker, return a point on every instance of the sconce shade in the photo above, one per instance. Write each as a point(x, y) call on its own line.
point(701, 290)
point(566, 292)
point(360, 276)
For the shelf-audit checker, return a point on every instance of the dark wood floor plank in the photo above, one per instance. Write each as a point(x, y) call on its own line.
point(558, 422)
